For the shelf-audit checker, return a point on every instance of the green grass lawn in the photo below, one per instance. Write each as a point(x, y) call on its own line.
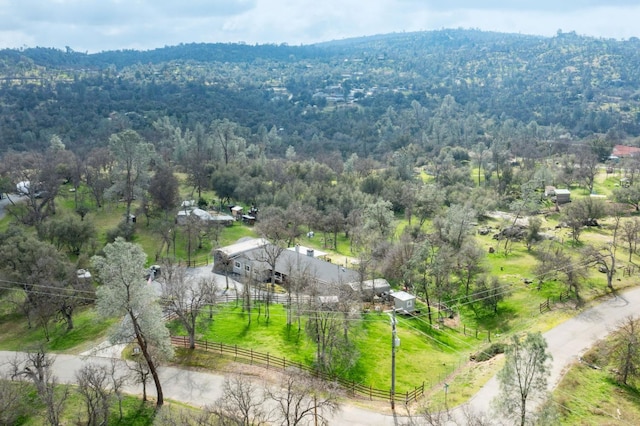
point(587, 396)
point(15, 335)
point(441, 351)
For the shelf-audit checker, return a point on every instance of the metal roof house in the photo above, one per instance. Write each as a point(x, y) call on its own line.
point(251, 258)
point(203, 215)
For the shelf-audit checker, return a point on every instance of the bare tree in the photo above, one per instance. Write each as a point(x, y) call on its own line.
point(630, 231)
point(242, 403)
point(185, 296)
point(13, 405)
point(269, 255)
point(132, 156)
point(39, 175)
point(625, 350)
point(37, 367)
point(224, 136)
point(93, 385)
point(97, 168)
point(328, 325)
point(604, 258)
point(140, 369)
point(301, 399)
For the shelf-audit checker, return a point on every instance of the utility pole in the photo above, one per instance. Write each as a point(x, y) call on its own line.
point(393, 359)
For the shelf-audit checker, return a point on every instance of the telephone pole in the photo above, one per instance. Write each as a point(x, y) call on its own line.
point(393, 359)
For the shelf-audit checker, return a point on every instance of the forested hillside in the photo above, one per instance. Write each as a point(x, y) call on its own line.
point(370, 96)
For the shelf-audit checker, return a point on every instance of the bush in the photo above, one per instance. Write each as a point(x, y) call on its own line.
point(124, 229)
point(489, 352)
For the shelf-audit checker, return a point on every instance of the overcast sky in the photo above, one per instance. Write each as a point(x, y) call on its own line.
point(97, 25)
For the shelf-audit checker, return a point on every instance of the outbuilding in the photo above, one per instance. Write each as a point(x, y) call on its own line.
point(563, 196)
point(404, 302)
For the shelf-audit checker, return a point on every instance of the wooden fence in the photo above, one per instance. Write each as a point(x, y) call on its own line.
point(545, 306)
point(268, 361)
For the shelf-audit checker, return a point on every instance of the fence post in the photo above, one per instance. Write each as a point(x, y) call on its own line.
point(267, 360)
point(489, 335)
point(206, 345)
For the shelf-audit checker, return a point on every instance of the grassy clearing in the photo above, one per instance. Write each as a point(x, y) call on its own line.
point(443, 351)
point(15, 335)
point(591, 397)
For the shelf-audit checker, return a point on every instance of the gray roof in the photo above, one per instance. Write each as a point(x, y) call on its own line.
point(243, 246)
point(402, 295)
point(289, 262)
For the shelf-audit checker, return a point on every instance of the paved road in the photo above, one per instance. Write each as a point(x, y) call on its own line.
point(567, 342)
point(571, 339)
point(191, 387)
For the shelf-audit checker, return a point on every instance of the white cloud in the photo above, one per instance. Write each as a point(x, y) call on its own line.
point(95, 25)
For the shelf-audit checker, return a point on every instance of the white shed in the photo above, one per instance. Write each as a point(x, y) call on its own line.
point(404, 302)
point(563, 196)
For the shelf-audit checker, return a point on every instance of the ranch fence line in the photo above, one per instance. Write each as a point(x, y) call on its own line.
point(265, 360)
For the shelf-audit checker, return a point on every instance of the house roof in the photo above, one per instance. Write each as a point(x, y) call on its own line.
point(379, 285)
point(305, 250)
point(243, 246)
point(563, 192)
point(625, 151)
point(205, 215)
point(290, 262)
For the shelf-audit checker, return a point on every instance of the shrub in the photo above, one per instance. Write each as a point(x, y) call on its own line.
point(489, 352)
point(124, 229)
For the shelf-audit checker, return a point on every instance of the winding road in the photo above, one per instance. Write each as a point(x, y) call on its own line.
point(566, 342)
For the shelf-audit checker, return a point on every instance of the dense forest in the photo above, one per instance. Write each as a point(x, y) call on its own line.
point(370, 96)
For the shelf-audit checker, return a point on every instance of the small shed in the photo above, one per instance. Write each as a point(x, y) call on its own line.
point(563, 196)
point(404, 302)
point(236, 212)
